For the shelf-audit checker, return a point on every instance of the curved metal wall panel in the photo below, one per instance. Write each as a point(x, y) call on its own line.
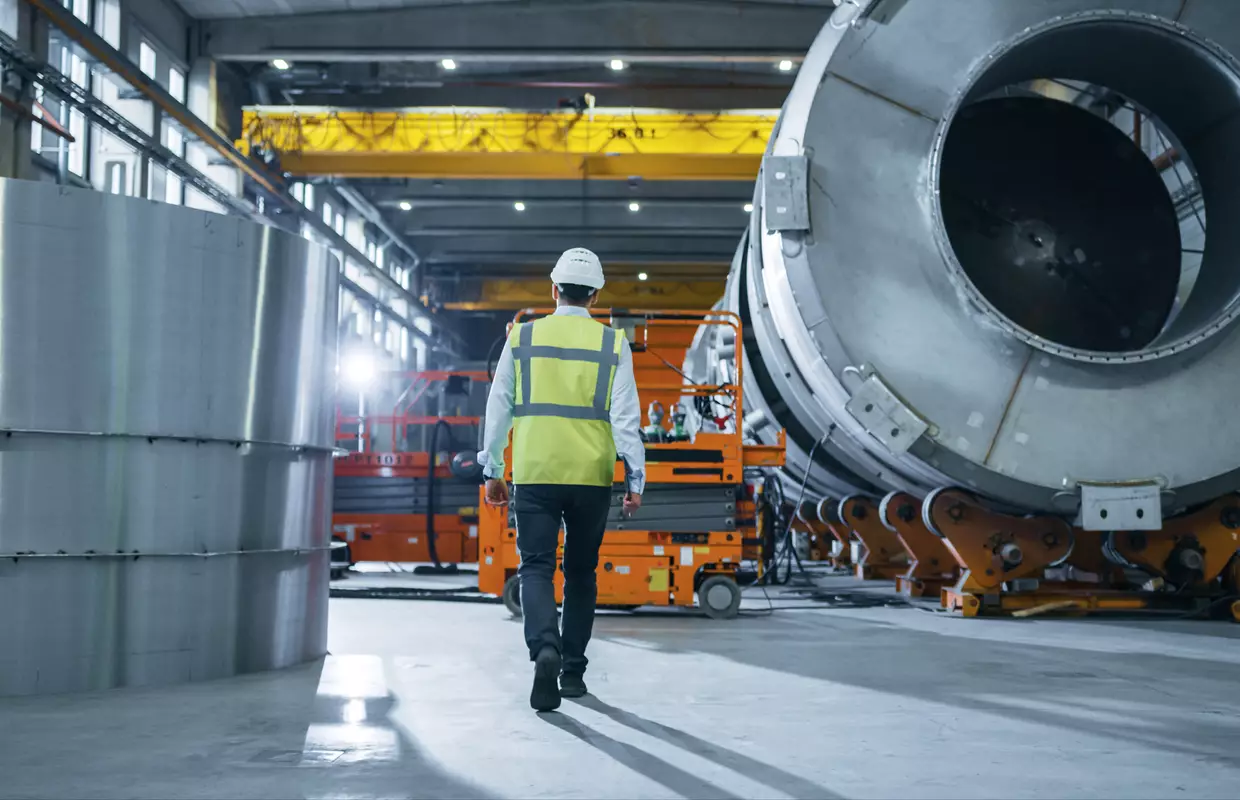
point(165, 466)
point(867, 292)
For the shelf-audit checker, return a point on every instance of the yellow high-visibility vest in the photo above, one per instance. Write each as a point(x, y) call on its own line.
point(561, 433)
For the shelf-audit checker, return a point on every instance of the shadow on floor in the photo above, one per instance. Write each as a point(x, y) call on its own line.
point(766, 774)
point(270, 735)
point(656, 769)
point(1152, 698)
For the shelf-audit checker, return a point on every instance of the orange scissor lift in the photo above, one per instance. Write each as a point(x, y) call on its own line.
point(380, 509)
point(699, 522)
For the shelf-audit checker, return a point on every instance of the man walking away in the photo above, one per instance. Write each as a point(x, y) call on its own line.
point(567, 381)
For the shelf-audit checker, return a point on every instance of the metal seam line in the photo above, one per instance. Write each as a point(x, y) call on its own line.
point(166, 436)
point(136, 555)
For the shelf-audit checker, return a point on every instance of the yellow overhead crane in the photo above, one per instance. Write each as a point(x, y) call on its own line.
point(513, 295)
point(491, 143)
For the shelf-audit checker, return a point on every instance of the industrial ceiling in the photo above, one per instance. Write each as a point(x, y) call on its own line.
point(529, 56)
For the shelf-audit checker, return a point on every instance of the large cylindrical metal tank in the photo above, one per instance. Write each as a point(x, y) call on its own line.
point(165, 442)
point(957, 275)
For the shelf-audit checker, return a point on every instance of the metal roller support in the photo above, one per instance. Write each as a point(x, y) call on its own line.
point(165, 442)
point(957, 277)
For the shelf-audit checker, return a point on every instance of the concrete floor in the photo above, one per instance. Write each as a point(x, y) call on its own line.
point(422, 699)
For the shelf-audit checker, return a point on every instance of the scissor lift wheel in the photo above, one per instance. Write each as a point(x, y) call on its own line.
point(719, 597)
point(512, 595)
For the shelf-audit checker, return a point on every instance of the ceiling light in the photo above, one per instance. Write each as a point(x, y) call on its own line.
point(749, 208)
point(519, 206)
point(616, 64)
point(641, 276)
point(280, 64)
point(405, 205)
point(448, 63)
point(635, 207)
point(785, 66)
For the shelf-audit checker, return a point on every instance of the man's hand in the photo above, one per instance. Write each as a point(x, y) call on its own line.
point(497, 492)
point(632, 502)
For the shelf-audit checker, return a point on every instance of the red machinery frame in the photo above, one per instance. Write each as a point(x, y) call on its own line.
point(403, 537)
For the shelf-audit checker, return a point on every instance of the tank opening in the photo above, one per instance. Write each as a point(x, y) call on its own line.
point(1071, 202)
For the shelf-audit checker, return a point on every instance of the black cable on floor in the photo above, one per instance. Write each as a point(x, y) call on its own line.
point(789, 553)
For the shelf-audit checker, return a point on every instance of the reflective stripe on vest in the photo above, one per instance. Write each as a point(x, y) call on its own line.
point(606, 357)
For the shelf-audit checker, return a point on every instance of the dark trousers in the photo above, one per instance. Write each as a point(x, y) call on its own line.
point(540, 509)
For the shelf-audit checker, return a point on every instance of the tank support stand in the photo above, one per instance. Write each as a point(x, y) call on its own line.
point(933, 566)
point(1005, 558)
point(884, 556)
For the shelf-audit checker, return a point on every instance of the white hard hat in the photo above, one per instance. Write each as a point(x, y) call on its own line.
point(579, 266)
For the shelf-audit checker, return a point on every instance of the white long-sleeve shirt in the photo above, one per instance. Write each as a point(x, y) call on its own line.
point(626, 414)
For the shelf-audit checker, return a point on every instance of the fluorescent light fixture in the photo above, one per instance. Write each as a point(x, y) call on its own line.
point(616, 64)
point(635, 207)
point(280, 64)
point(641, 276)
point(749, 208)
point(405, 205)
point(519, 206)
point(785, 66)
point(448, 63)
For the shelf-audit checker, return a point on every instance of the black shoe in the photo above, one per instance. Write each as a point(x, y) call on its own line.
point(545, 696)
point(572, 686)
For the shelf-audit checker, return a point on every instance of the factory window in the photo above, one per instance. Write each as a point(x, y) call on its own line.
point(379, 257)
point(328, 213)
point(146, 59)
point(174, 189)
point(372, 252)
point(299, 192)
point(81, 9)
point(108, 21)
point(36, 130)
point(340, 224)
point(77, 148)
point(174, 140)
point(310, 197)
point(117, 180)
point(176, 84)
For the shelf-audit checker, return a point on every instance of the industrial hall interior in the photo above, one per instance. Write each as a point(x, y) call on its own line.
point(619, 399)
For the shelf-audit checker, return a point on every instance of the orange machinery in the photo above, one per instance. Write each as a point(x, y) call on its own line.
point(700, 520)
point(389, 505)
